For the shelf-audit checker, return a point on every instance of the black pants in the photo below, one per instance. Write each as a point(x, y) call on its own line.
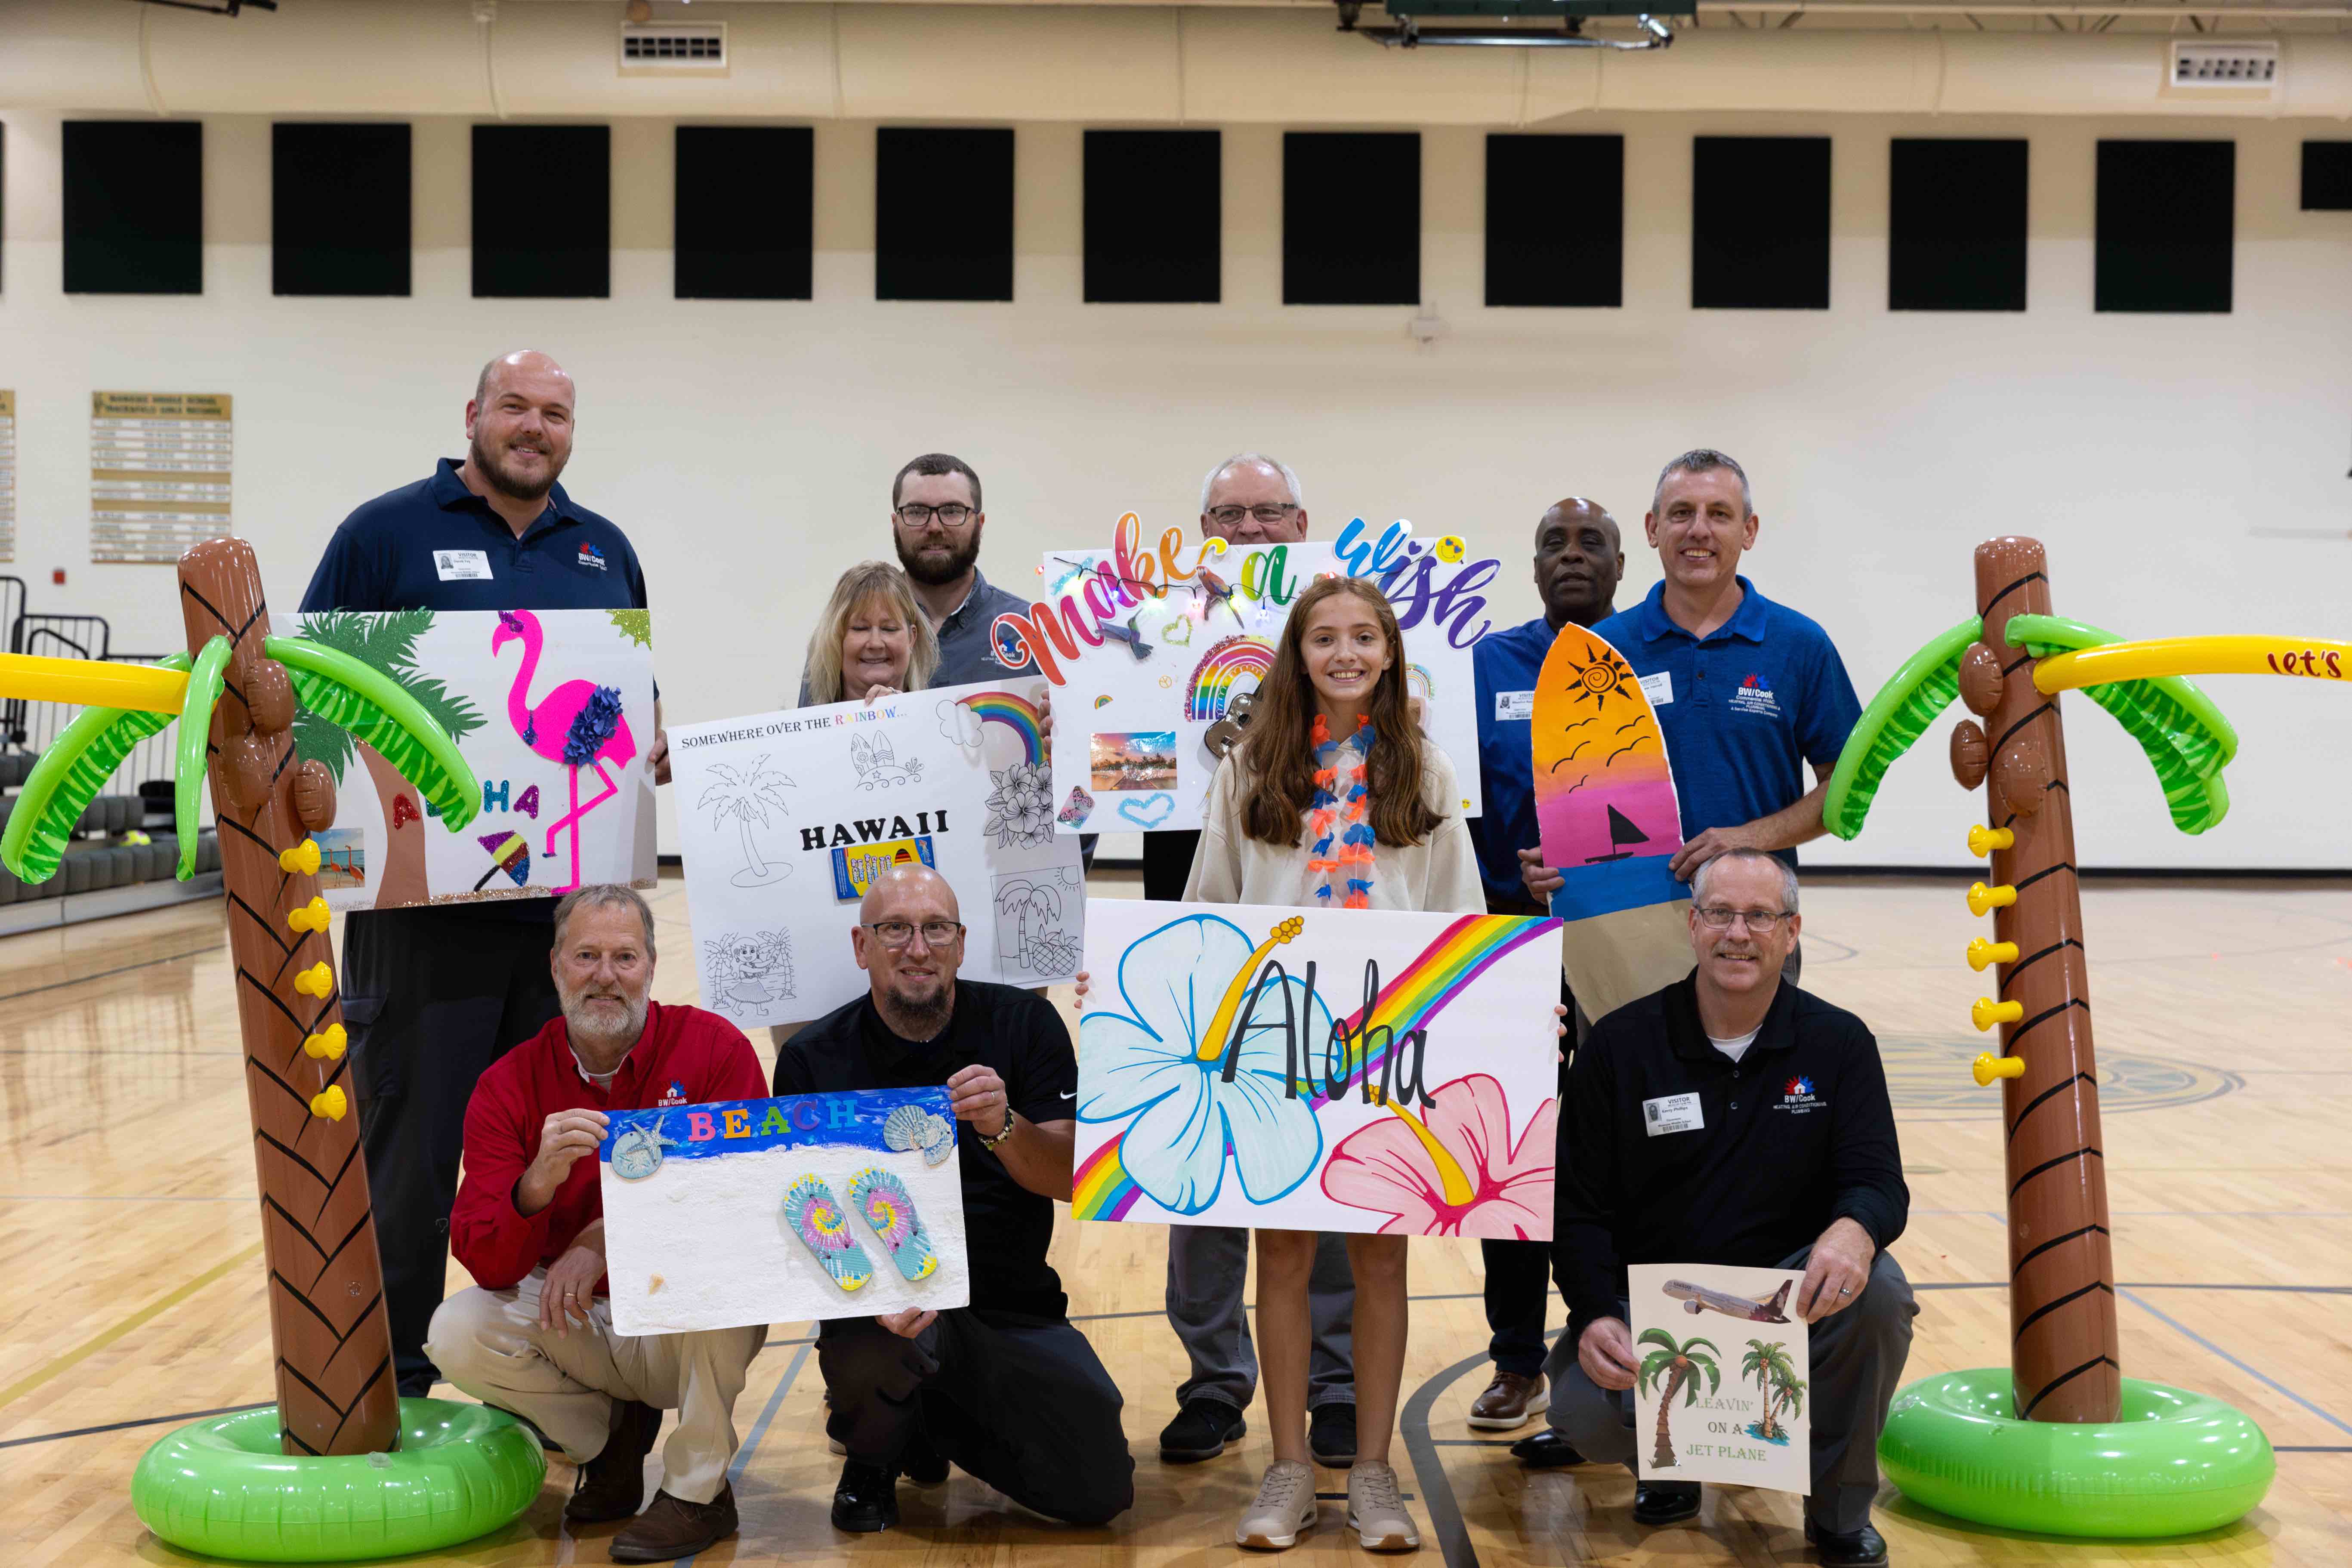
point(1167, 863)
point(1519, 1290)
point(1021, 1402)
point(431, 997)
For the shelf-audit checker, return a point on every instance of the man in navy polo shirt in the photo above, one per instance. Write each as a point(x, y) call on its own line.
point(432, 996)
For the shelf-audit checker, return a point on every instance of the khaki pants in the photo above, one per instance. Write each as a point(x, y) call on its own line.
point(489, 1344)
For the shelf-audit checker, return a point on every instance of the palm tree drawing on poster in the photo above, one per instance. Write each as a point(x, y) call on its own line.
point(1789, 1395)
point(387, 643)
point(1770, 1365)
point(746, 793)
point(1674, 1367)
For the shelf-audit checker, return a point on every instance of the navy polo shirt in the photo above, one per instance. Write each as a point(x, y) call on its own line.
point(1744, 708)
point(1504, 664)
point(436, 545)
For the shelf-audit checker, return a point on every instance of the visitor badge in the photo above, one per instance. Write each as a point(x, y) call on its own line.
point(1515, 705)
point(1659, 688)
point(462, 565)
point(1671, 1113)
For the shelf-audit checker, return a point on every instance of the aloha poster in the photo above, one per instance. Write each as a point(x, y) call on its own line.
point(1319, 1069)
point(1153, 653)
point(761, 1211)
point(553, 710)
point(1725, 1365)
point(784, 819)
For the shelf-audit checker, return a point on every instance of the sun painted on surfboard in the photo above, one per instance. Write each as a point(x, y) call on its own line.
point(1603, 791)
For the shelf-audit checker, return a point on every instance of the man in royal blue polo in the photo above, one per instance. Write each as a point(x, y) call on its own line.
point(1748, 692)
point(432, 995)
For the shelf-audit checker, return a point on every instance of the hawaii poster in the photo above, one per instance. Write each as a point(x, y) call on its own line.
point(1319, 1069)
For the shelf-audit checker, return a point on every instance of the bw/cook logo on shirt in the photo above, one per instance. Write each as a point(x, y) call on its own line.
point(1754, 697)
point(1797, 1097)
point(675, 1095)
point(592, 556)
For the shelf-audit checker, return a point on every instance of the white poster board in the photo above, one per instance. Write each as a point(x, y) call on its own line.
point(785, 818)
point(766, 1211)
point(526, 694)
point(1151, 652)
point(1726, 1372)
point(1319, 1069)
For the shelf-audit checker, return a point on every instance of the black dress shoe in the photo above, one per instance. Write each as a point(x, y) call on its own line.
point(1547, 1450)
point(1201, 1431)
point(1331, 1435)
point(1863, 1548)
point(1664, 1502)
point(866, 1500)
point(613, 1485)
point(922, 1464)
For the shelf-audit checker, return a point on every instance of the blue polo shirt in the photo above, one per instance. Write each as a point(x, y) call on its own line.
point(1504, 664)
point(436, 545)
point(1743, 709)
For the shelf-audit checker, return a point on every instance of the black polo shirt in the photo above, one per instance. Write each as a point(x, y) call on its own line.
point(1007, 1228)
point(1795, 1134)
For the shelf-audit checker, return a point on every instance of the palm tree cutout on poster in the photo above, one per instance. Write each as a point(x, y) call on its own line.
point(1674, 1368)
point(1035, 931)
point(387, 643)
point(579, 724)
point(748, 794)
point(1777, 1384)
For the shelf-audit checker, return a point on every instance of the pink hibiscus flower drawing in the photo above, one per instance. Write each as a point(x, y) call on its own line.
point(1453, 1171)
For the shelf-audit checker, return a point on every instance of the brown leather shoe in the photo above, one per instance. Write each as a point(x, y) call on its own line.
point(672, 1528)
point(1509, 1400)
point(613, 1484)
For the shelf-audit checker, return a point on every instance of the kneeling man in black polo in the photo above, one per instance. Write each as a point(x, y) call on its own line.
point(1732, 1117)
point(1004, 1387)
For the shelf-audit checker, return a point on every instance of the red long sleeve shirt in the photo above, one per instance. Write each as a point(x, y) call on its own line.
point(686, 1057)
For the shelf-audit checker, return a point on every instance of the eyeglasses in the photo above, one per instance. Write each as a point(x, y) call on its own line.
point(955, 514)
point(895, 934)
point(1226, 516)
point(1763, 922)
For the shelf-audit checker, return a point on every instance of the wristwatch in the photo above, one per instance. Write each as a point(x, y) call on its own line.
point(988, 1142)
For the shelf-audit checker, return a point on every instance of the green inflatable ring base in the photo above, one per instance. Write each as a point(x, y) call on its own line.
point(222, 1486)
point(2174, 1464)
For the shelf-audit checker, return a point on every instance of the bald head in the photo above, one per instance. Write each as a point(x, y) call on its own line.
point(1578, 560)
point(909, 942)
point(518, 427)
point(522, 362)
point(914, 886)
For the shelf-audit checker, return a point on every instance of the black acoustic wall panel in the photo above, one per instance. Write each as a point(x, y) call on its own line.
point(1555, 220)
point(746, 206)
point(1956, 226)
point(542, 212)
point(2327, 176)
point(339, 206)
point(1154, 210)
point(2167, 220)
point(1760, 223)
point(943, 214)
point(134, 206)
point(1351, 217)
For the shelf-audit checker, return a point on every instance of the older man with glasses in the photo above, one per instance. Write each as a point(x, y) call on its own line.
point(1734, 1119)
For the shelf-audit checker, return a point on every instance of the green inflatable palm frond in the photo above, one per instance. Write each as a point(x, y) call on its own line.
point(1895, 718)
point(67, 778)
point(2185, 736)
point(376, 709)
point(386, 642)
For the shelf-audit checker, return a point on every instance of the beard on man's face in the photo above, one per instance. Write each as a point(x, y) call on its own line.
point(591, 1013)
point(934, 563)
point(502, 478)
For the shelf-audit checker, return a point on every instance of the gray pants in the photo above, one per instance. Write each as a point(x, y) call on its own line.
point(1207, 1268)
point(1858, 1357)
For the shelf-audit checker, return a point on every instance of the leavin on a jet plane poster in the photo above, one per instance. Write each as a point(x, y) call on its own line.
point(1724, 1384)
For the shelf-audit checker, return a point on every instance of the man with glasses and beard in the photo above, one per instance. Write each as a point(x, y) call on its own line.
point(534, 1334)
point(432, 994)
point(1006, 1387)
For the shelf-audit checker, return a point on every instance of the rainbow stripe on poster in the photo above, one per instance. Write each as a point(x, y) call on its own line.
point(1419, 993)
point(1014, 713)
point(1213, 676)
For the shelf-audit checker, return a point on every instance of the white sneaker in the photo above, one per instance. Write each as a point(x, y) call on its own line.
point(1283, 1509)
point(1376, 1513)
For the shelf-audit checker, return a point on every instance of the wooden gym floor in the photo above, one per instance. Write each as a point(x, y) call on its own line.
point(134, 1296)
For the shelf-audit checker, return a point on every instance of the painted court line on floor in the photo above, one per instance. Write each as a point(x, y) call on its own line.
point(154, 1309)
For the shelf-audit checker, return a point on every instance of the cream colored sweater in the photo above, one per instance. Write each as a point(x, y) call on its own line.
point(1438, 874)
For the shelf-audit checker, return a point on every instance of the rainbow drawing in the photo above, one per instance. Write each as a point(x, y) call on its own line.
point(1014, 713)
point(1417, 683)
point(1224, 663)
point(1603, 792)
point(1419, 993)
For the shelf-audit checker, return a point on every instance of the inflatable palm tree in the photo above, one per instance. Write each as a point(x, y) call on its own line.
point(235, 696)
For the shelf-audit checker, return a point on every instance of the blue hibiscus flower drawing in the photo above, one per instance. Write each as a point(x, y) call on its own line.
point(1181, 983)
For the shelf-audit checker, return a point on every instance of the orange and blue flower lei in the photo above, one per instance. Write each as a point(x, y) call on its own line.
point(1339, 818)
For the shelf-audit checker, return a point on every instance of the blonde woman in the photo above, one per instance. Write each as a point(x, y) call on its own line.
point(871, 641)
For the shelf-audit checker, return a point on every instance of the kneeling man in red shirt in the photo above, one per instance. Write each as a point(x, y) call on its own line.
point(535, 1334)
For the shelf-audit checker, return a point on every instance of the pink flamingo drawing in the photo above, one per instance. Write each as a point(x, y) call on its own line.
point(578, 724)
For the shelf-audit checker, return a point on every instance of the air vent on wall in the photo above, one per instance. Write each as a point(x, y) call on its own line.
point(2249, 63)
point(663, 48)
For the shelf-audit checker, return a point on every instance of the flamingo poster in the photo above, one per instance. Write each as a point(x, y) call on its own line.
point(1319, 1069)
point(785, 820)
point(552, 710)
